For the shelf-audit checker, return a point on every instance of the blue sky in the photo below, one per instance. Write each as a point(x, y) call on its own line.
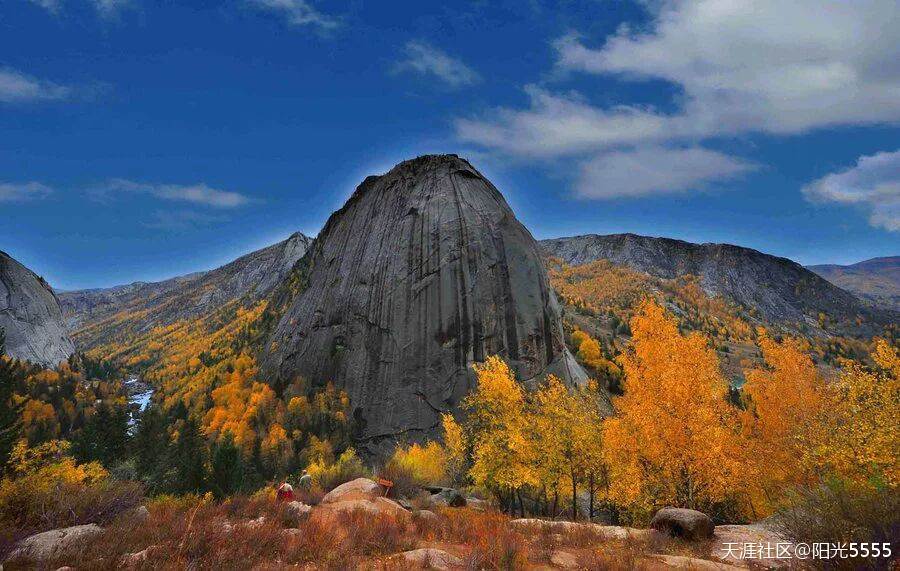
point(142, 139)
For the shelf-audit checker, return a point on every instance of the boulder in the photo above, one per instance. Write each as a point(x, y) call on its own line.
point(447, 497)
point(377, 506)
point(429, 558)
point(425, 515)
point(680, 522)
point(478, 505)
point(358, 489)
point(54, 543)
point(296, 512)
point(140, 513)
point(135, 560)
point(564, 560)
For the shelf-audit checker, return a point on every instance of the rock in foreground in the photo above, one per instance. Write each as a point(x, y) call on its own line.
point(54, 543)
point(687, 524)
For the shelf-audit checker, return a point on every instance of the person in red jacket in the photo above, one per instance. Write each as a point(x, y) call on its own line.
point(285, 493)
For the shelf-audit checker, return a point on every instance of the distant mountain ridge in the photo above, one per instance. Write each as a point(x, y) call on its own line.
point(97, 314)
point(30, 316)
point(79, 306)
point(781, 290)
point(876, 280)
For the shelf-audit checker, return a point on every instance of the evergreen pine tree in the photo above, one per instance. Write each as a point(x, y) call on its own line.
point(104, 437)
point(189, 459)
point(227, 470)
point(10, 413)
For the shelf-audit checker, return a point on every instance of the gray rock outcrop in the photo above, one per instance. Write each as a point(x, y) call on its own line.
point(30, 316)
point(423, 272)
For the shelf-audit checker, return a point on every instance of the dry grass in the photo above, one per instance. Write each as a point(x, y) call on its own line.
point(193, 533)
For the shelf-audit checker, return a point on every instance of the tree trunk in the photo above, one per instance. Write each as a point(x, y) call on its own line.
point(591, 494)
point(555, 501)
point(574, 495)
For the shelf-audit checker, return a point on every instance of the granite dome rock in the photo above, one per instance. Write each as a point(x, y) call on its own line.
point(423, 272)
point(30, 316)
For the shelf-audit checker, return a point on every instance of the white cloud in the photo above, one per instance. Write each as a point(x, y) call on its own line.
point(740, 66)
point(654, 170)
point(873, 184)
point(16, 87)
point(427, 60)
point(762, 65)
point(560, 125)
point(195, 193)
point(297, 12)
point(16, 192)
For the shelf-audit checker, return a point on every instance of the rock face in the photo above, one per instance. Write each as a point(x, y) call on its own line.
point(99, 314)
point(54, 543)
point(781, 290)
point(684, 523)
point(30, 316)
point(424, 271)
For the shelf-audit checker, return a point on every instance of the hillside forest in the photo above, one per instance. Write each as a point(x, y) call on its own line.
point(805, 425)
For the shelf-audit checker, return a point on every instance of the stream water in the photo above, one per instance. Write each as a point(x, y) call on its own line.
point(139, 395)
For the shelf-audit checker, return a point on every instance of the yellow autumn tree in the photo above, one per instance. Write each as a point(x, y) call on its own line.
point(566, 423)
point(674, 438)
point(456, 448)
point(861, 442)
point(502, 451)
point(785, 406)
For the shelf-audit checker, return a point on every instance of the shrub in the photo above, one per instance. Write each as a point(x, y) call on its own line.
point(840, 513)
point(427, 464)
point(406, 485)
point(347, 467)
point(49, 490)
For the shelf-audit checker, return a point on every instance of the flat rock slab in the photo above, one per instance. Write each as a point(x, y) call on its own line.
point(730, 543)
point(430, 558)
point(564, 560)
point(692, 563)
point(603, 532)
point(54, 543)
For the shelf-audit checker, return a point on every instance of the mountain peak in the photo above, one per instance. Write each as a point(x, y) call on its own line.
point(424, 271)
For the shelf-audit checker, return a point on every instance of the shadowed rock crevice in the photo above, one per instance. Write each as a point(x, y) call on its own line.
point(424, 271)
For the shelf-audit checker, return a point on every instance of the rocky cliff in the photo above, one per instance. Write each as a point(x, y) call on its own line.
point(97, 315)
point(30, 316)
point(424, 271)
